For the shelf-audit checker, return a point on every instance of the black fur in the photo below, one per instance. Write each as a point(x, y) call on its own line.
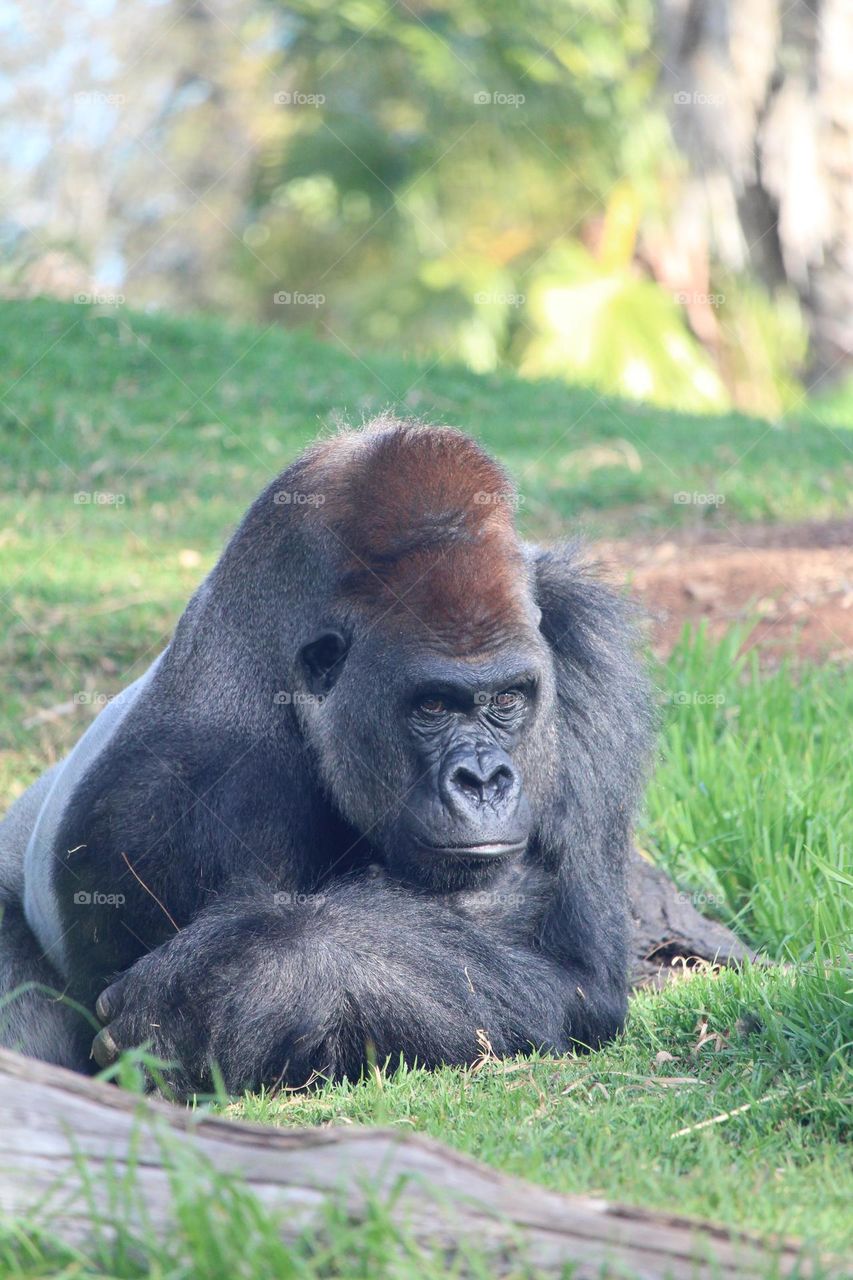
point(254, 805)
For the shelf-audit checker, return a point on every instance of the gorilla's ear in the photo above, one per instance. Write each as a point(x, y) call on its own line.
point(323, 660)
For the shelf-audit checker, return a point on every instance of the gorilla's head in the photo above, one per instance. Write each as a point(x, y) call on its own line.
point(427, 685)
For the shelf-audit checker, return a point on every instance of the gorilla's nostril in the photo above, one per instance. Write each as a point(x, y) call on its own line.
point(482, 782)
point(467, 780)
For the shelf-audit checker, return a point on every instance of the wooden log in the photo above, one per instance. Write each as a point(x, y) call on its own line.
point(63, 1136)
point(670, 935)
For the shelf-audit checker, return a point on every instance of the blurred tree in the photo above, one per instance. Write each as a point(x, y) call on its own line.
point(126, 140)
point(760, 97)
point(481, 180)
point(436, 150)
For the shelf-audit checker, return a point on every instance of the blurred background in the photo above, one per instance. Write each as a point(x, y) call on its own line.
point(650, 197)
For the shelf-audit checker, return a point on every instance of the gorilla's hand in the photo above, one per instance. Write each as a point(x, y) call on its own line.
point(234, 990)
point(152, 1005)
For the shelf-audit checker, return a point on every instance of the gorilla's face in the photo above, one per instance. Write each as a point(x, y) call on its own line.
point(428, 756)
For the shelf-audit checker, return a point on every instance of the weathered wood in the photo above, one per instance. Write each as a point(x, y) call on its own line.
point(53, 1121)
point(670, 935)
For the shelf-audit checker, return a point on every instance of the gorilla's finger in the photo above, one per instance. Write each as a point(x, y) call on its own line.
point(109, 1002)
point(105, 1051)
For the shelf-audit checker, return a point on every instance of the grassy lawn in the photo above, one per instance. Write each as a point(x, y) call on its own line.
point(176, 424)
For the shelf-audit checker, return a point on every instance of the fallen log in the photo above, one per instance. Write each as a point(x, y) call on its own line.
point(63, 1135)
point(670, 935)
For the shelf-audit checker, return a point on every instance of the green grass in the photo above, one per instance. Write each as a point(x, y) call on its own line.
point(750, 805)
point(185, 420)
point(605, 1124)
point(222, 1233)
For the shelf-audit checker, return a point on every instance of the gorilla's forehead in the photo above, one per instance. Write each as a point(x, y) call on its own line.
point(465, 599)
point(424, 521)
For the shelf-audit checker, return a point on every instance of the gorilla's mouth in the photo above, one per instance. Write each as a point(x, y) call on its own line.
point(493, 849)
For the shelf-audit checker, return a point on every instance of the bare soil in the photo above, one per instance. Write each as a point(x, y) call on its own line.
point(794, 582)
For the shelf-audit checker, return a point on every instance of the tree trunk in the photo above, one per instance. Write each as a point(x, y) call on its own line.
point(760, 100)
point(62, 1134)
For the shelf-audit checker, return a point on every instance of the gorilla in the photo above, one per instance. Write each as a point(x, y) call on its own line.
point(373, 803)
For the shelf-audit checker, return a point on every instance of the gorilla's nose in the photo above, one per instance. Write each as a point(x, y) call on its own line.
point(481, 777)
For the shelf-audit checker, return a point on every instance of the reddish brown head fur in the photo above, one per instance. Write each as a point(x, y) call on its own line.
point(424, 518)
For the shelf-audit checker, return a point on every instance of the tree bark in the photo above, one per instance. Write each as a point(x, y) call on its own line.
point(62, 1135)
point(760, 103)
point(670, 936)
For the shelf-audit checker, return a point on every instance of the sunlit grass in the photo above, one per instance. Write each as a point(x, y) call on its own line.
point(185, 420)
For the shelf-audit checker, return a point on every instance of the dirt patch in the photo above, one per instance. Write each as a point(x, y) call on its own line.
point(794, 582)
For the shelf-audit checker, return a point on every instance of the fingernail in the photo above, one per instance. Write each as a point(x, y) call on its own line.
point(104, 1048)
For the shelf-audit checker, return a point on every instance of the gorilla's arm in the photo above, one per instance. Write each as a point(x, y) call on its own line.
point(274, 992)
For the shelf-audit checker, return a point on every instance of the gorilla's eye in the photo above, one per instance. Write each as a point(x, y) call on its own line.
point(431, 707)
point(508, 700)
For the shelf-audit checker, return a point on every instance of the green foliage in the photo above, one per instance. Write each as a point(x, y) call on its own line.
point(616, 331)
point(422, 201)
point(750, 804)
